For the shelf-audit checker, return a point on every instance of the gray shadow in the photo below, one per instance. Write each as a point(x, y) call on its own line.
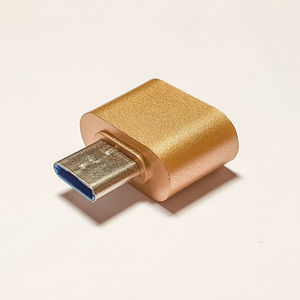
point(124, 197)
point(109, 205)
point(199, 189)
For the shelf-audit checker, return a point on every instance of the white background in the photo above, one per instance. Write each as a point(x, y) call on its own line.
point(234, 234)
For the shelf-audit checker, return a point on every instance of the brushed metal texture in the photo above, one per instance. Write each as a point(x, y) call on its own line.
point(181, 138)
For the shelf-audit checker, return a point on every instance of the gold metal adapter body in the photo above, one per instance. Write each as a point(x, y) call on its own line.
point(174, 138)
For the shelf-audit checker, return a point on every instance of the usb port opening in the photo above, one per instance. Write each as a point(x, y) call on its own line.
point(74, 182)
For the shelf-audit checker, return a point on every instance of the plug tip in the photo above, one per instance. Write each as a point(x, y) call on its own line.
point(96, 170)
point(74, 182)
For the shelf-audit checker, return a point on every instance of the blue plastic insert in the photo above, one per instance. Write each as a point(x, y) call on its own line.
point(74, 182)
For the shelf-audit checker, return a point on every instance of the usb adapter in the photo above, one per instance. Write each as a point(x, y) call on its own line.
point(157, 137)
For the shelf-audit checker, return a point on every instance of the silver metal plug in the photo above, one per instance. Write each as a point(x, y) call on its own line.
point(96, 170)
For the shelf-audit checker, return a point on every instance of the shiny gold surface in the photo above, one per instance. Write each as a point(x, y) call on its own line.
point(181, 137)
